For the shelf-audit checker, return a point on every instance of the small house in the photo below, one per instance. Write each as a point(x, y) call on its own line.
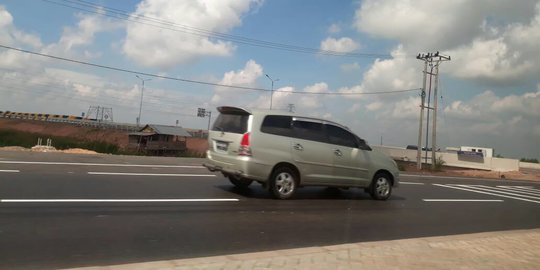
point(159, 140)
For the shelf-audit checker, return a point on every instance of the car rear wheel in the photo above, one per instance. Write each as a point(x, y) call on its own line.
point(283, 183)
point(240, 183)
point(381, 187)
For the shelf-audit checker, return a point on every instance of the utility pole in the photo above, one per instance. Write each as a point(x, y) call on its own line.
point(272, 90)
point(423, 96)
point(142, 93)
point(433, 60)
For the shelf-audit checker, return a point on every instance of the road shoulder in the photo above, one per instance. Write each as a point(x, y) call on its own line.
point(518, 249)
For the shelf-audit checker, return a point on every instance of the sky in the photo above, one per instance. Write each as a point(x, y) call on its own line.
point(351, 53)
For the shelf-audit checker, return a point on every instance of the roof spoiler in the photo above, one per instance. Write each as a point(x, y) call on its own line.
point(233, 110)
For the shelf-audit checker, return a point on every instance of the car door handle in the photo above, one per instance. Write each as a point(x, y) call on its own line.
point(298, 147)
point(338, 153)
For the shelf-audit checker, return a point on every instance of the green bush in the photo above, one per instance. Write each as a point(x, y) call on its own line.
point(530, 160)
point(439, 163)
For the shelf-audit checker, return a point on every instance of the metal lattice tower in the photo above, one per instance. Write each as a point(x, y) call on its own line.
point(101, 114)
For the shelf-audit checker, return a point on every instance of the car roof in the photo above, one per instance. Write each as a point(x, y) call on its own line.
point(234, 109)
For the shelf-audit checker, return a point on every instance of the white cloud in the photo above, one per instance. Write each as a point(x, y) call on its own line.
point(246, 77)
point(334, 29)
point(164, 48)
point(497, 42)
point(83, 35)
point(312, 101)
point(511, 55)
point(374, 106)
point(427, 24)
point(489, 107)
point(398, 73)
point(350, 67)
point(10, 35)
point(342, 45)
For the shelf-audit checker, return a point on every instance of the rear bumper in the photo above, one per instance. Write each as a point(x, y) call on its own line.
point(238, 166)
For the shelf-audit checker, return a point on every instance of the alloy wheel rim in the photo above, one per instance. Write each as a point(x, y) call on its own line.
point(284, 183)
point(382, 187)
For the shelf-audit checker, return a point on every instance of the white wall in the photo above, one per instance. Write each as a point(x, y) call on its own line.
point(452, 159)
point(528, 165)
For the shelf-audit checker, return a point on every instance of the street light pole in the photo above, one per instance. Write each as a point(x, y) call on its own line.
point(142, 93)
point(272, 91)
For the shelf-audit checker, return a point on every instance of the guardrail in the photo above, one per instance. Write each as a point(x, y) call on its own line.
point(68, 119)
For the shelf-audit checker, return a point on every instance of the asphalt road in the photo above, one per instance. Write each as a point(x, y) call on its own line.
point(173, 208)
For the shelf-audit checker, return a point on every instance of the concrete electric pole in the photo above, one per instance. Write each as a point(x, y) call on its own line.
point(272, 89)
point(142, 93)
point(433, 60)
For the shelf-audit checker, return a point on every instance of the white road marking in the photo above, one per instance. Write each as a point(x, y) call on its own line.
point(410, 183)
point(528, 191)
point(459, 200)
point(494, 189)
point(100, 164)
point(527, 187)
point(485, 192)
point(153, 174)
point(10, 171)
point(111, 200)
point(435, 176)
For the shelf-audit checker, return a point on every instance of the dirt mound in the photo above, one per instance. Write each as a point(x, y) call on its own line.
point(79, 151)
point(14, 148)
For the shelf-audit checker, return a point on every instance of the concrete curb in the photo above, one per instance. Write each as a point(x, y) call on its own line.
point(518, 249)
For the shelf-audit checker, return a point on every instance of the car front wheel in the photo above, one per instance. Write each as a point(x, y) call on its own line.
point(381, 187)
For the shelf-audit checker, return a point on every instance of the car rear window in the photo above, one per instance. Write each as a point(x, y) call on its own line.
point(277, 125)
point(231, 122)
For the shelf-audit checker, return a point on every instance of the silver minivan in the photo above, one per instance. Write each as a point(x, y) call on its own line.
point(283, 151)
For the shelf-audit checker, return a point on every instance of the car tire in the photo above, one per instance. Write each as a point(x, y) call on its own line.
point(381, 187)
point(283, 182)
point(240, 183)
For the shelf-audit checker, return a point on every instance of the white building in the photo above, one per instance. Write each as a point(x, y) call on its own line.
point(486, 152)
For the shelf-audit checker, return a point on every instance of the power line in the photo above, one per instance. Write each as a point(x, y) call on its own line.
point(200, 82)
point(119, 14)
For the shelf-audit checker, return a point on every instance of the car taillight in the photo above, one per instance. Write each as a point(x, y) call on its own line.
point(245, 149)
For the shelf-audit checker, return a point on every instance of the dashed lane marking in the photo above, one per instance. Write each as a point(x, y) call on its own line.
point(111, 200)
point(153, 174)
point(10, 171)
point(459, 200)
point(410, 183)
point(100, 164)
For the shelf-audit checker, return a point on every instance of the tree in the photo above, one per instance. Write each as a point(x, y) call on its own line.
point(530, 160)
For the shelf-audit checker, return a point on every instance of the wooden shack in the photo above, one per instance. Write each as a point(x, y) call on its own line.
point(159, 140)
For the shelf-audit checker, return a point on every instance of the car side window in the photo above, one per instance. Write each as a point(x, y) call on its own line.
point(277, 125)
point(340, 136)
point(308, 130)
